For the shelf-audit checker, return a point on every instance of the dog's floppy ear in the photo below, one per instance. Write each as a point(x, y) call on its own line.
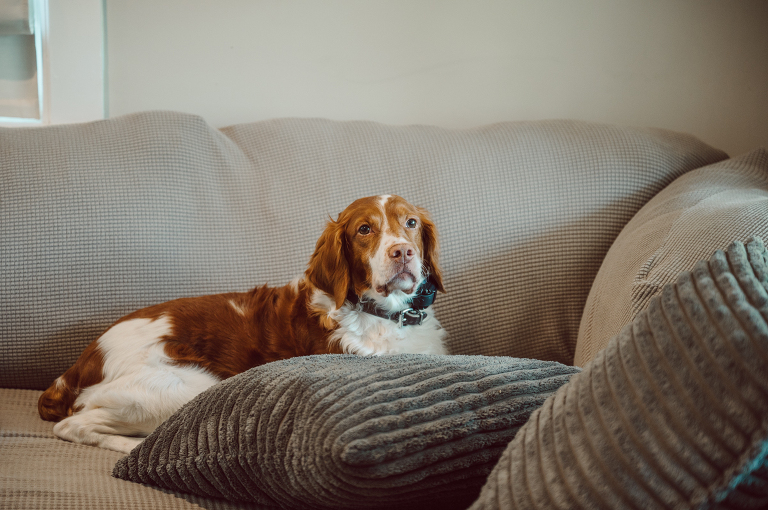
point(431, 248)
point(328, 267)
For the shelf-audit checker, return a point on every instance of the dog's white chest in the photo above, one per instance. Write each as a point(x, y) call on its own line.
point(365, 334)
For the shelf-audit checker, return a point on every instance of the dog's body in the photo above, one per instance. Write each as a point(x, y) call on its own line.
point(379, 255)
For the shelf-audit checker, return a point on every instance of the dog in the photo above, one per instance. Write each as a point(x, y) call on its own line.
point(367, 290)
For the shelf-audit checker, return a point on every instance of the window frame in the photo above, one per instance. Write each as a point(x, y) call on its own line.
point(69, 35)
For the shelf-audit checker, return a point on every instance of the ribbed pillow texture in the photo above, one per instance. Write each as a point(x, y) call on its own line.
point(673, 413)
point(342, 431)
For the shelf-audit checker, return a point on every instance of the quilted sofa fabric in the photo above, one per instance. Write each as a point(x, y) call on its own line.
point(671, 414)
point(342, 431)
point(39, 471)
point(98, 220)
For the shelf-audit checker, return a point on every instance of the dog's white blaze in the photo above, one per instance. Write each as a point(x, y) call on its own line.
point(380, 264)
point(380, 260)
point(385, 222)
point(141, 388)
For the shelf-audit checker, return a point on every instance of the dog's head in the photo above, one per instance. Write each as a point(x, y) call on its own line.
point(381, 247)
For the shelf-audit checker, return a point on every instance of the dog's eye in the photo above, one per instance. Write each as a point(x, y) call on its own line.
point(364, 230)
point(411, 223)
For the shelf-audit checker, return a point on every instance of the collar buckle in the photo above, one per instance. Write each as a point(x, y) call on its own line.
point(410, 317)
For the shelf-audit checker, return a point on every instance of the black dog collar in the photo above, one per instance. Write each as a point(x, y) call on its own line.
point(412, 316)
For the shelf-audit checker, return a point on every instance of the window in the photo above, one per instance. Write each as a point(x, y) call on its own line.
point(22, 26)
point(52, 72)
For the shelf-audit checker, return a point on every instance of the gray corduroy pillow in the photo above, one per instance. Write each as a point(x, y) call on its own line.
point(342, 431)
point(673, 413)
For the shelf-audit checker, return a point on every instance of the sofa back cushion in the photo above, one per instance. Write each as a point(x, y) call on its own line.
point(100, 219)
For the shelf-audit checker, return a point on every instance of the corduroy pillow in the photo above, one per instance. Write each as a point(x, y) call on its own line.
point(673, 413)
point(342, 431)
point(700, 212)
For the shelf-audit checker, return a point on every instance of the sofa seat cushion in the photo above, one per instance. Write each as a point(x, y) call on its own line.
point(342, 431)
point(38, 470)
point(671, 414)
point(98, 220)
point(698, 213)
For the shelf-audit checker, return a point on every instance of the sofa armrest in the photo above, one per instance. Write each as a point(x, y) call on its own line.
point(700, 212)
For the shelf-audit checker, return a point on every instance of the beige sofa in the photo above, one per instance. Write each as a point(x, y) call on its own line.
point(554, 235)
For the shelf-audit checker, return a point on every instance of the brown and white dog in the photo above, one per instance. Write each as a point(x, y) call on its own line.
point(367, 270)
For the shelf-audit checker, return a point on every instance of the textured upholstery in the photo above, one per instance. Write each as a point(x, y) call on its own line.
point(699, 213)
point(100, 219)
point(671, 414)
point(334, 431)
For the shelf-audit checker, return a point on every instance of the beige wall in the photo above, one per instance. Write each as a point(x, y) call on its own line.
point(699, 66)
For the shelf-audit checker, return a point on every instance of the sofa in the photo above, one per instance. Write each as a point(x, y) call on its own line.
point(607, 282)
